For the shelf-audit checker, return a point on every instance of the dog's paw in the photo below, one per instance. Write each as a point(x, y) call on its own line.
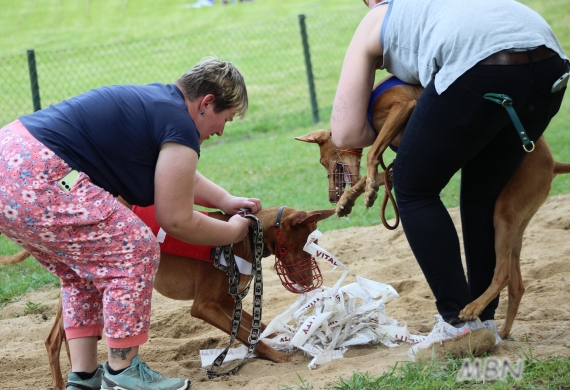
point(470, 312)
point(346, 202)
point(343, 208)
point(370, 198)
point(370, 193)
point(504, 333)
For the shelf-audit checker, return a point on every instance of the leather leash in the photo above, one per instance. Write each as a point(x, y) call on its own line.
point(503, 100)
point(388, 195)
point(233, 272)
point(507, 102)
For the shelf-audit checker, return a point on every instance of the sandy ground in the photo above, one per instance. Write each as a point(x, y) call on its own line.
point(541, 326)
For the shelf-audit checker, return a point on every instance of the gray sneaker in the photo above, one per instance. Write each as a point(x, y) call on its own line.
point(138, 376)
point(74, 382)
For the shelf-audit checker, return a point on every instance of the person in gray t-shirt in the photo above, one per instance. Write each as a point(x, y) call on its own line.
point(458, 51)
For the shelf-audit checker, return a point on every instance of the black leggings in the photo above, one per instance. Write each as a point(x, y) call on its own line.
point(460, 130)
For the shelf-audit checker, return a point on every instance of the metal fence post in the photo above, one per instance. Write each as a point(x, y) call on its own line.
point(308, 65)
point(34, 80)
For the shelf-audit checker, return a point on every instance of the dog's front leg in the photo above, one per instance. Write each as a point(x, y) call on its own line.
point(348, 198)
point(395, 123)
point(262, 350)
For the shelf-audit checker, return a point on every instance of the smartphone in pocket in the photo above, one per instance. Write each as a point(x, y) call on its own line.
point(560, 83)
point(68, 180)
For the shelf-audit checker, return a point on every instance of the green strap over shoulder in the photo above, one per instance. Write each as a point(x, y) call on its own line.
point(507, 102)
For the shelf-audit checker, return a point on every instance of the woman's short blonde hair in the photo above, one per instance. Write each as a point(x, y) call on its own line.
point(219, 78)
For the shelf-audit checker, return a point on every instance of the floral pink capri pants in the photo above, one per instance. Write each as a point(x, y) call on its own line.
point(105, 256)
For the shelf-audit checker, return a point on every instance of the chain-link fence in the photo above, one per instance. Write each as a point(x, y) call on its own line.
point(273, 58)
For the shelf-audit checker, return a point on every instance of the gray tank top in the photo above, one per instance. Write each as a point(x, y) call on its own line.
point(442, 39)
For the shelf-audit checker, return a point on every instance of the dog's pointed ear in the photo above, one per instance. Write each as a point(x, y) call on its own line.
point(315, 137)
point(300, 218)
point(324, 214)
point(303, 218)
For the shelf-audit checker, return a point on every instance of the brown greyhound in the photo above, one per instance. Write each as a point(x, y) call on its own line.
point(522, 196)
point(391, 112)
point(184, 278)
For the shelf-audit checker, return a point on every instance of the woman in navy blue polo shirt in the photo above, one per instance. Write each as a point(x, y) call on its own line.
point(62, 170)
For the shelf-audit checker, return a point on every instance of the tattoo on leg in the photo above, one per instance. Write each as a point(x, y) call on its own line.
point(120, 353)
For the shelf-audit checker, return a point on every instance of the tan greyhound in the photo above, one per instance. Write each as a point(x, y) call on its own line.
point(521, 198)
point(184, 278)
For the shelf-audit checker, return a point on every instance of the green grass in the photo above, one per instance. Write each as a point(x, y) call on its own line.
point(64, 24)
point(266, 163)
point(17, 279)
point(269, 53)
point(258, 159)
point(552, 373)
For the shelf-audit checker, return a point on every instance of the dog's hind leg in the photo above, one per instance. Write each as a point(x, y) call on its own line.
point(519, 200)
point(522, 197)
point(504, 239)
point(516, 288)
point(508, 232)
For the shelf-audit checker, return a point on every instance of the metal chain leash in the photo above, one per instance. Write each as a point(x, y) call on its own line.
point(233, 272)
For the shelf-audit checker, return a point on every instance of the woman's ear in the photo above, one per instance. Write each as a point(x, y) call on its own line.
point(207, 100)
